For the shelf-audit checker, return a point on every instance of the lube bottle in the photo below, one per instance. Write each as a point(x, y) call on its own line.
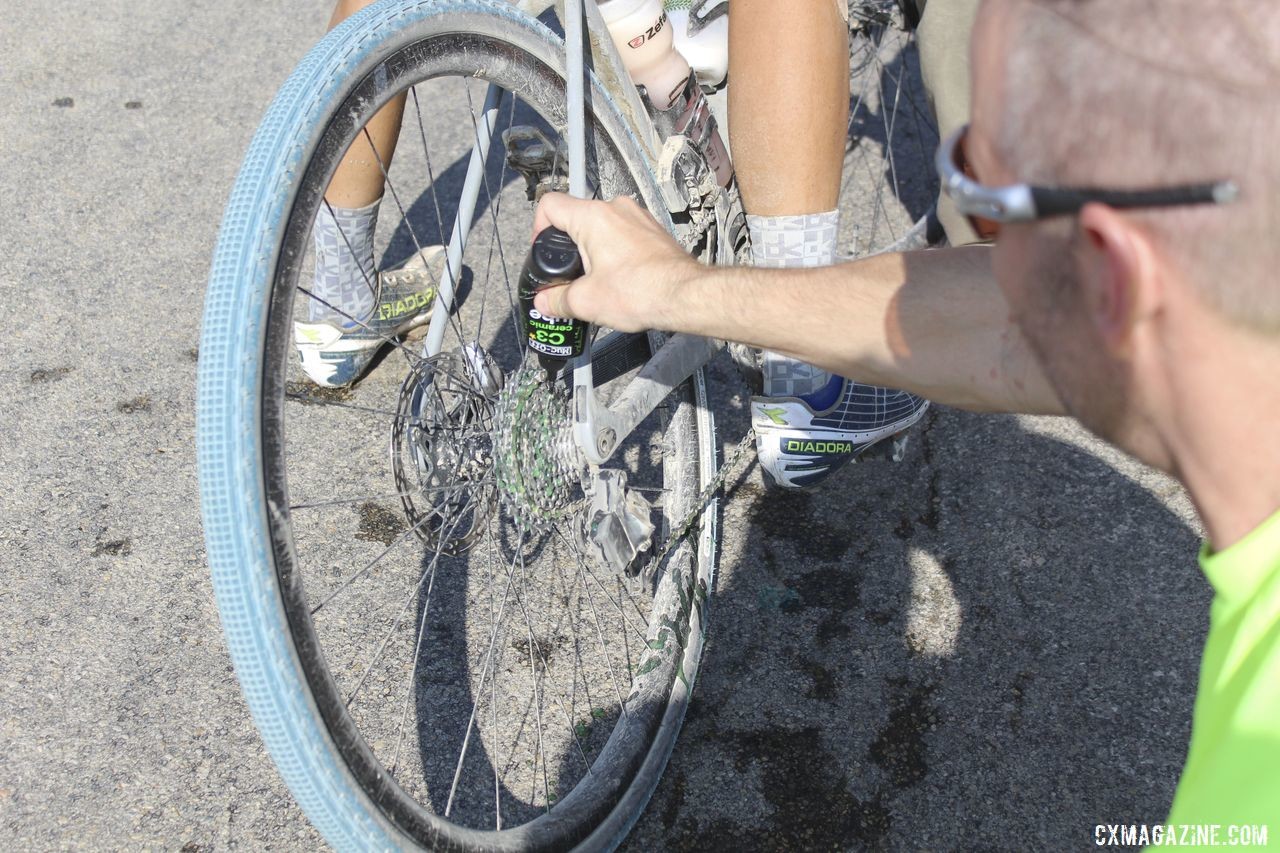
point(554, 259)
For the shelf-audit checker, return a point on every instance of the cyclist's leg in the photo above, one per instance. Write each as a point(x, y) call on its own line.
point(788, 119)
point(789, 104)
point(343, 330)
point(358, 181)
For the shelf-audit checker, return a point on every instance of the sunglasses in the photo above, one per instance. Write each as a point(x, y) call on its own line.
point(987, 208)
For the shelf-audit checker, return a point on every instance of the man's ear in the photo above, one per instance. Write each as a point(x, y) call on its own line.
point(1119, 275)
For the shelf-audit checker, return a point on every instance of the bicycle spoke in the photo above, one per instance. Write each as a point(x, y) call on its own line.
point(404, 609)
point(586, 570)
point(604, 649)
point(535, 654)
point(493, 700)
point(462, 229)
point(539, 678)
point(417, 657)
point(626, 640)
point(530, 704)
point(494, 210)
point(455, 275)
point(393, 495)
point(385, 339)
point(884, 96)
point(374, 284)
point(395, 196)
point(431, 176)
point(466, 741)
point(337, 404)
point(368, 566)
point(542, 674)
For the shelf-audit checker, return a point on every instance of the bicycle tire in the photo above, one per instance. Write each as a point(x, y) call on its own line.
point(335, 776)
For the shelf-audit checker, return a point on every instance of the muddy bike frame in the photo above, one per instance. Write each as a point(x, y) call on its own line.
point(597, 429)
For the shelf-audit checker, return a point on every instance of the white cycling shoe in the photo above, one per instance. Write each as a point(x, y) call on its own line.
point(800, 441)
point(336, 353)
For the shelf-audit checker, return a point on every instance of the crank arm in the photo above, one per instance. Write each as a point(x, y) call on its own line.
point(599, 429)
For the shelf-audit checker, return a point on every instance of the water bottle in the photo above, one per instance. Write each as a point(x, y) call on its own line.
point(642, 34)
point(705, 44)
point(553, 259)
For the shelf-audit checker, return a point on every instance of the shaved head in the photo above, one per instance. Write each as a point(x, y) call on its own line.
point(1151, 93)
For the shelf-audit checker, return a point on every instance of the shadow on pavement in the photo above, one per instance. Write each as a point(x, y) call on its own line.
point(993, 644)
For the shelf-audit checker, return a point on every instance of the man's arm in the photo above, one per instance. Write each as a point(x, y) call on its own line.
point(934, 323)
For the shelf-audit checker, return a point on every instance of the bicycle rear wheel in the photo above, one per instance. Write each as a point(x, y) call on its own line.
point(424, 670)
point(889, 188)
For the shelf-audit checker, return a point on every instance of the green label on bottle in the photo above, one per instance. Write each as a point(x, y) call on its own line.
point(555, 336)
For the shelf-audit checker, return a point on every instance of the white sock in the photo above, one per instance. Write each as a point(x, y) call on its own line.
point(345, 273)
point(807, 240)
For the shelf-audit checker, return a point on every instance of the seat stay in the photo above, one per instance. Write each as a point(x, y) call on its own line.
point(599, 429)
point(471, 187)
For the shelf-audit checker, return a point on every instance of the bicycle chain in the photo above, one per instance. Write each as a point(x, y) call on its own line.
point(708, 493)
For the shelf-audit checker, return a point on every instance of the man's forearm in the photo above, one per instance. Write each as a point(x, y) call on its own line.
point(934, 323)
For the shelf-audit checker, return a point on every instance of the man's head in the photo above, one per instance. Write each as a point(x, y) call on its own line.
point(1128, 94)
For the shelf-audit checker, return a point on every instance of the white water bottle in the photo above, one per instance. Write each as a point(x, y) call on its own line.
point(707, 50)
point(642, 34)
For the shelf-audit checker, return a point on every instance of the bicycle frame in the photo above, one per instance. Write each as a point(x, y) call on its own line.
point(597, 429)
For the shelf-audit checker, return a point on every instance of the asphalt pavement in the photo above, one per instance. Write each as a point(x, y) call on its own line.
point(991, 645)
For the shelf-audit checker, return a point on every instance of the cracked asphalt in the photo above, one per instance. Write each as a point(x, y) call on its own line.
point(991, 645)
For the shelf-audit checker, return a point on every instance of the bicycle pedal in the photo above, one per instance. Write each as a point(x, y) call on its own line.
point(543, 163)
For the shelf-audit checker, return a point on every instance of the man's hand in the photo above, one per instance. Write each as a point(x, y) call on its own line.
point(634, 267)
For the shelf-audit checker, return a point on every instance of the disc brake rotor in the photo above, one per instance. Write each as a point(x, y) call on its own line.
point(442, 447)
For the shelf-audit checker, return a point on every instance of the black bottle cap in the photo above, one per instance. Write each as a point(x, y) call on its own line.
point(556, 256)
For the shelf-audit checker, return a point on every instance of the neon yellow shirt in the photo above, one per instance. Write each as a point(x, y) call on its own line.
point(1232, 775)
